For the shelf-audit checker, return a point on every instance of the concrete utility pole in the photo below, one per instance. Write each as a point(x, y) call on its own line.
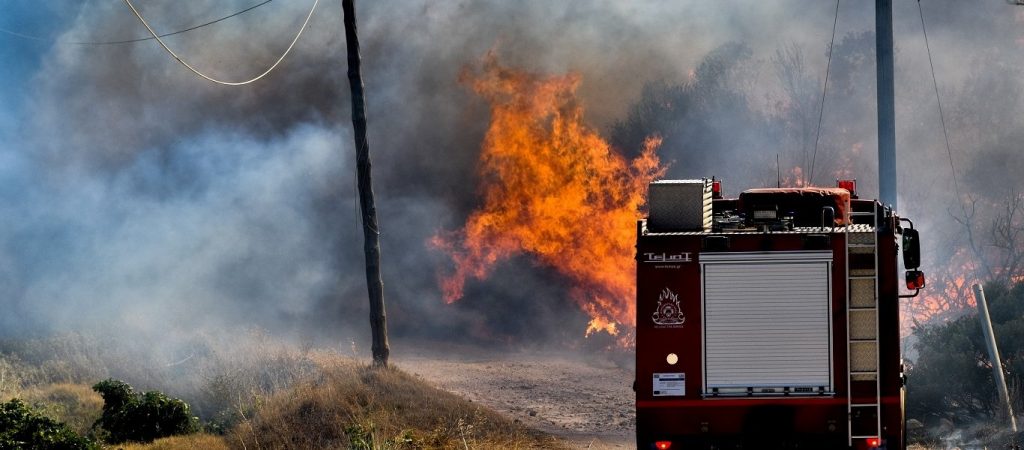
point(993, 353)
point(886, 104)
point(371, 234)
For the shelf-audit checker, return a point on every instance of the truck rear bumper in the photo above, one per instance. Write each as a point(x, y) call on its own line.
point(797, 423)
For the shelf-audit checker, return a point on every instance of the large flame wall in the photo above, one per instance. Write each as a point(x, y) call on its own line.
point(552, 188)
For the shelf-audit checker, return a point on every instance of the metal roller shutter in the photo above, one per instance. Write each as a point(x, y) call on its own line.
point(767, 323)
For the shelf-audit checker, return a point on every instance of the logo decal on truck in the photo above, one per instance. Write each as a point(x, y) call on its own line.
point(666, 260)
point(650, 257)
point(668, 311)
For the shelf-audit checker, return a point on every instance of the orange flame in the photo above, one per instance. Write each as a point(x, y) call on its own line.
point(553, 189)
point(795, 178)
point(947, 294)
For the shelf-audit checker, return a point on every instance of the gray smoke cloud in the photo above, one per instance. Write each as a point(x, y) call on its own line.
point(142, 195)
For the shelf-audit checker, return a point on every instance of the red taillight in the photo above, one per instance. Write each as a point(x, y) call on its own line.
point(850, 185)
point(663, 445)
point(716, 190)
point(874, 442)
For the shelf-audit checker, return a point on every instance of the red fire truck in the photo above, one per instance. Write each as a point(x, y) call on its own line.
point(771, 320)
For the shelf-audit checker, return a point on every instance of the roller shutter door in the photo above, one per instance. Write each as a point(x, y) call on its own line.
point(767, 323)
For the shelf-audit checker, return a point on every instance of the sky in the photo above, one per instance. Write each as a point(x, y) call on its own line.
point(136, 193)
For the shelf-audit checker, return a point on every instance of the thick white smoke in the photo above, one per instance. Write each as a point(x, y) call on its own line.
point(144, 195)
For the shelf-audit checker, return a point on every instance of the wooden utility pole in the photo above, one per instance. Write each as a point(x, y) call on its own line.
point(371, 234)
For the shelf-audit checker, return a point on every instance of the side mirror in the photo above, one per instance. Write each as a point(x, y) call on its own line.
point(915, 279)
point(911, 249)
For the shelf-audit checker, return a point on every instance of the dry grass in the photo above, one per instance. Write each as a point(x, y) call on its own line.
point(213, 373)
point(77, 405)
point(352, 406)
point(199, 441)
point(259, 392)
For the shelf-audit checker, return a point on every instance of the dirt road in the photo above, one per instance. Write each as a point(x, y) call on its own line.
point(588, 401)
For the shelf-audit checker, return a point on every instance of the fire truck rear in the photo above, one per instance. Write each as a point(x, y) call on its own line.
point(770, 320)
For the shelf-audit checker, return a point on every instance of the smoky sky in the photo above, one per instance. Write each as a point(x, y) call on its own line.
point(138, 194)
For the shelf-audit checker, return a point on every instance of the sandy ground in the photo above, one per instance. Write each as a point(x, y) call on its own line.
point(586, 400)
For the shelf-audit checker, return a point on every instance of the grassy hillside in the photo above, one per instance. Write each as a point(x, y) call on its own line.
point(252, 392)
point(351, 406)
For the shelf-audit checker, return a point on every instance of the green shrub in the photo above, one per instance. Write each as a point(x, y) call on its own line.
point(22, 428)
point(130, 416)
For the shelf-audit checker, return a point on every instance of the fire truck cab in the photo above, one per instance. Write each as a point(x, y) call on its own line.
point(771, 320)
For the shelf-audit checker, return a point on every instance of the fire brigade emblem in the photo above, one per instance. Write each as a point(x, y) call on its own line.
point(668, 311)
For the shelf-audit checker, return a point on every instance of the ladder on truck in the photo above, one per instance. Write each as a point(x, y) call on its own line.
point(864, 412)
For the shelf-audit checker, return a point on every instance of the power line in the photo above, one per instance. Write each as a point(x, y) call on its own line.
point(979, 262)
point(209, 78)
point(942, 117)
point(24, 36)
point(129, 41)
point(824, 90)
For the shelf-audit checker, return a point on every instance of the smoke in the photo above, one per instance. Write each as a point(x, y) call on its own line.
point(150, 249)
point(140, 196)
